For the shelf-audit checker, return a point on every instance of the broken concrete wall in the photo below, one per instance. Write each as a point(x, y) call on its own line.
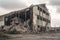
point(21, 21)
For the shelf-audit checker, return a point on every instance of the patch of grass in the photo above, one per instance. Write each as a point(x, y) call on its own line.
point(15, 35)
point(9, 36)
point(3, 36)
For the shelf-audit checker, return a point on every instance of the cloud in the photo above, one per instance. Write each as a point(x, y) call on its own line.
point(58, 9)
point(11, 4)
point(55, 3)
point(17, 4)
point(43, 1)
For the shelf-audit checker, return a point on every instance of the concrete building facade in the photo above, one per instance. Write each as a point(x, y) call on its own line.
point(41, 17)
point(1, 20)
point(35, 18)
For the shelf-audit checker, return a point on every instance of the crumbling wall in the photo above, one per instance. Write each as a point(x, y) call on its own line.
point(21, 21)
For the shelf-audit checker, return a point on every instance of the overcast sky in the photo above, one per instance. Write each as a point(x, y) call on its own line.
point(53, 6)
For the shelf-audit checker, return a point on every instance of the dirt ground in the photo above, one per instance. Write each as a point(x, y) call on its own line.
point(41, 36)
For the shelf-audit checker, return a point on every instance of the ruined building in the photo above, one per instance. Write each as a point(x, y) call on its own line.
point(35, 18)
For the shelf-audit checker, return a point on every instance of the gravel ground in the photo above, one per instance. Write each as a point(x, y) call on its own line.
point(42, 36)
